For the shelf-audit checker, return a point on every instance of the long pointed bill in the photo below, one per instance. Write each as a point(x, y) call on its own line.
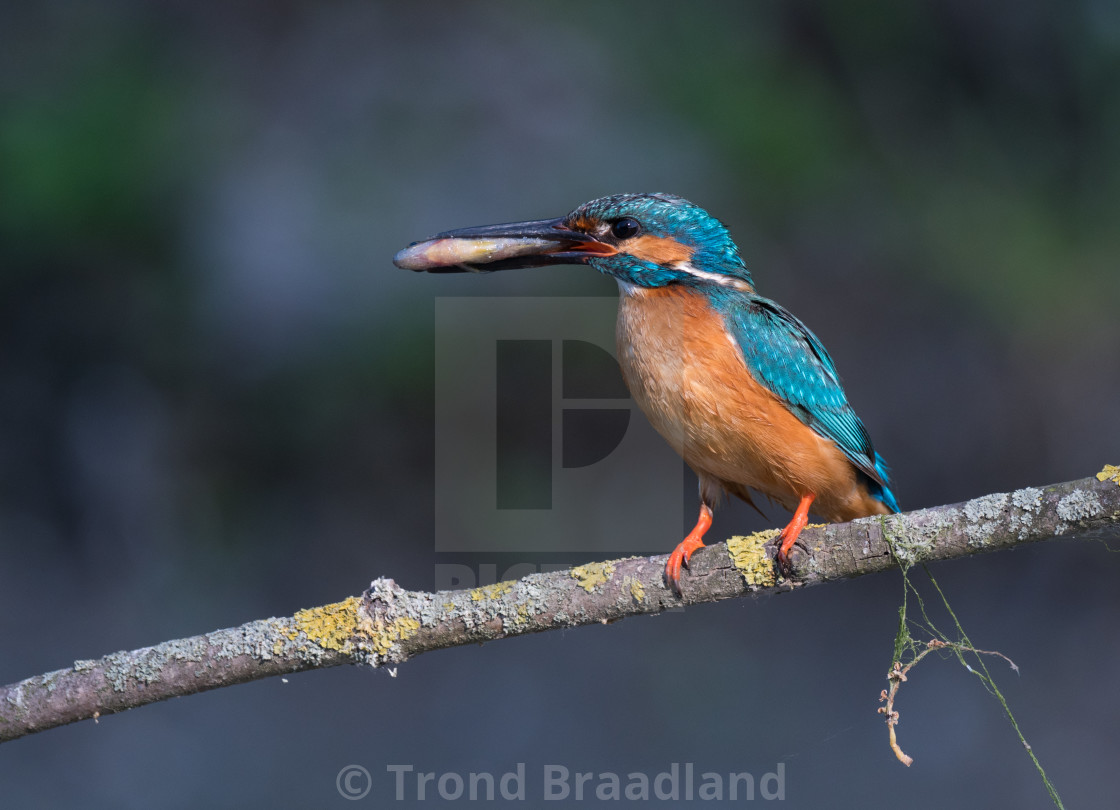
point(502, 247)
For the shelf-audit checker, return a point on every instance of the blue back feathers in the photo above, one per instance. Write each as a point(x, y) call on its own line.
point(787, 358)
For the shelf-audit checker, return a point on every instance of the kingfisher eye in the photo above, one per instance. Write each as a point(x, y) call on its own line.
point(626, 228)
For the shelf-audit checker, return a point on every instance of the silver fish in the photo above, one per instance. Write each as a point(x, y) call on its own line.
point(464, 253)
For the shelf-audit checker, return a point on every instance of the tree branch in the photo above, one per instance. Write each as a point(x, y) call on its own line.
point(387, 625)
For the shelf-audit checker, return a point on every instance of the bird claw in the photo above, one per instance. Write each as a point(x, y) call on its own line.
point(788, 537)
point(785, 567)
point(681, 555)
point(782, 558)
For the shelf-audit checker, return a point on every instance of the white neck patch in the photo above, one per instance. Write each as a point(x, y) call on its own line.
point(716, 278)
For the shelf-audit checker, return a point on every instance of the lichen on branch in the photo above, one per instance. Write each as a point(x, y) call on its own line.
point(387, 625)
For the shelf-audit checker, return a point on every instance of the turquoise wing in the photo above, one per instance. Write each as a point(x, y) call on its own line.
point(787, 358)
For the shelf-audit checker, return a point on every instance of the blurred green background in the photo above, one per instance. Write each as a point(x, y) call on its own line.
point(216, 393)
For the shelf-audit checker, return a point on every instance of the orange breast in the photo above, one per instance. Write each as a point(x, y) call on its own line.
point(688, 376)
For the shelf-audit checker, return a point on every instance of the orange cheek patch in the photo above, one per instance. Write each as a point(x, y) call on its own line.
point(657, 249)
point(581, 223)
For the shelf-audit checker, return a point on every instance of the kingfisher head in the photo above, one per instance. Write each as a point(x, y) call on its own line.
point(643, 240)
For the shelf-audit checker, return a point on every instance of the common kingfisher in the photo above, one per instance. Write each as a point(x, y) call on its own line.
point(740, 387)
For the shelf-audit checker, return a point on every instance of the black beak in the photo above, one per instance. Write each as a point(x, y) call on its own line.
point(502, 247)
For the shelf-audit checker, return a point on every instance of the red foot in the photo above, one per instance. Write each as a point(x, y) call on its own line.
point(683, 552)
point(790, 534)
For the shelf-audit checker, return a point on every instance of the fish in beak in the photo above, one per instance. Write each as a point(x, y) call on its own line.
point(502, 247)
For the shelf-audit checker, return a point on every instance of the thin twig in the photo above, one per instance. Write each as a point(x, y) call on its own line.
point(897, 677)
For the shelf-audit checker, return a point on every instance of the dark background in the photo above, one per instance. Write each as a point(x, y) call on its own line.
point(216, 393)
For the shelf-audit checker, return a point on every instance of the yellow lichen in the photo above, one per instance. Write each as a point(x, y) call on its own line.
point(383, 635)
point(1110, 473)
point(592, 575)
point(491, 591)
point(344, 627)
point(748, 555)
point(637, 591)
point(332, 626)
point(520, 617)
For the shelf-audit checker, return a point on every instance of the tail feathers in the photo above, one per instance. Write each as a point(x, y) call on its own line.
point(882, 492)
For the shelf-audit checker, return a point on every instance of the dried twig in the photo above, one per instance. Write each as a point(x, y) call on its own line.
point(897, 676)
